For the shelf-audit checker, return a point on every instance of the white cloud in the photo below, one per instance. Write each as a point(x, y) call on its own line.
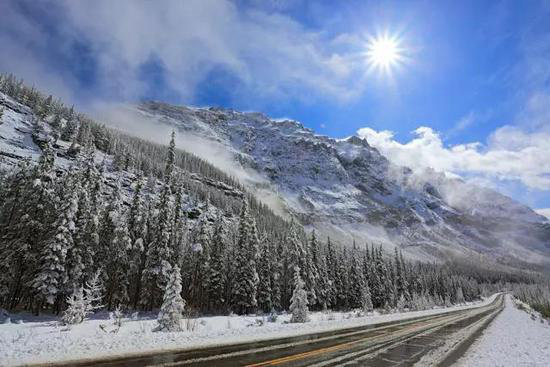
point(510, 154)
point(19, 58)
point(268, 53)
point(465, 121)
point(544, 212)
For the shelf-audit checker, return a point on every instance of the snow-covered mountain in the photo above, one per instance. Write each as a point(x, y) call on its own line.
point(344, 188)
point(347, 190)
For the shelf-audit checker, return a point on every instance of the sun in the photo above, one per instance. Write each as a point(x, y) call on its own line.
point(384, 52)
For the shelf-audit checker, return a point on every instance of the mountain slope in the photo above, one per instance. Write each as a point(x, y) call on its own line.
point(348, 190)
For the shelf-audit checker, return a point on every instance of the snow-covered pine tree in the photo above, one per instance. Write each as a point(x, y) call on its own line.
point(170, 160)
point(378, 279)
point(84, 135)
point(356, 280)
point(311, 272)
point(323, 285)
point(141, 276)
point(401, 303)
point(414, 281)
point(447, 301)
point(56, 125)
point(79, 256)
point(366, 301)
point(178, 224)
point(81, 259)
point(276, 273)
point(93, 176)
point(367, 267)
point(120, 256)
point(27, 215)
point(128, 161)
point(69, 130)
point(318, 264)
point(298, 302)
point(118, 156)
point(216, 279)
point(415, 302)
point(459, 295)
point(88, 236)
point(402, 285)
point(83, 301)
point(94, 292)
point(246, 276)
point(332, 273)
point(136, 223)
point(160, 251)
point(51, 278)
point(264, 273)
point(391, 285)
point(171, 311)
point(342, 280)
point(77, 309)
point(229, 266)
point(200, 261)
point(294, 256)
point(115, 246)
point(163, 250)
point(408, 276)
point(137, 230)
point(44, 109)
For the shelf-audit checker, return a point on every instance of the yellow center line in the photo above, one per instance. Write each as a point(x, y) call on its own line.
point(373, 330)
point(315, 352)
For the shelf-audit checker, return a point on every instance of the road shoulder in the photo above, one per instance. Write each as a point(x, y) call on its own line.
point(514, 338)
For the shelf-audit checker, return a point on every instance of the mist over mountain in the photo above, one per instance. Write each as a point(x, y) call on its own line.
point(346, 189)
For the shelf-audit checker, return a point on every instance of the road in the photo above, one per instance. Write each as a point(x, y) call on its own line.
point(400, 343)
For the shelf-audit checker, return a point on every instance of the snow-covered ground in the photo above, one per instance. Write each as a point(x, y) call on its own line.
point(31, 340)
point(514, 338)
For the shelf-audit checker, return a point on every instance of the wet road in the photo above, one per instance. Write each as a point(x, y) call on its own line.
point(401, 343)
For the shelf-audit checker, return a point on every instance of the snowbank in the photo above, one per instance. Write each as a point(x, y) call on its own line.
point(514, 338)
point(43, 340)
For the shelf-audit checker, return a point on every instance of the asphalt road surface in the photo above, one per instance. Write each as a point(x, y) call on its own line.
point(399, 343)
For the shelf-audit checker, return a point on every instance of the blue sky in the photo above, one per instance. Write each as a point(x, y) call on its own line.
point(477, 73)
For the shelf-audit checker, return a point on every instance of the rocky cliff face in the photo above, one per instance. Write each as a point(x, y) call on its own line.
point(346, 189)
